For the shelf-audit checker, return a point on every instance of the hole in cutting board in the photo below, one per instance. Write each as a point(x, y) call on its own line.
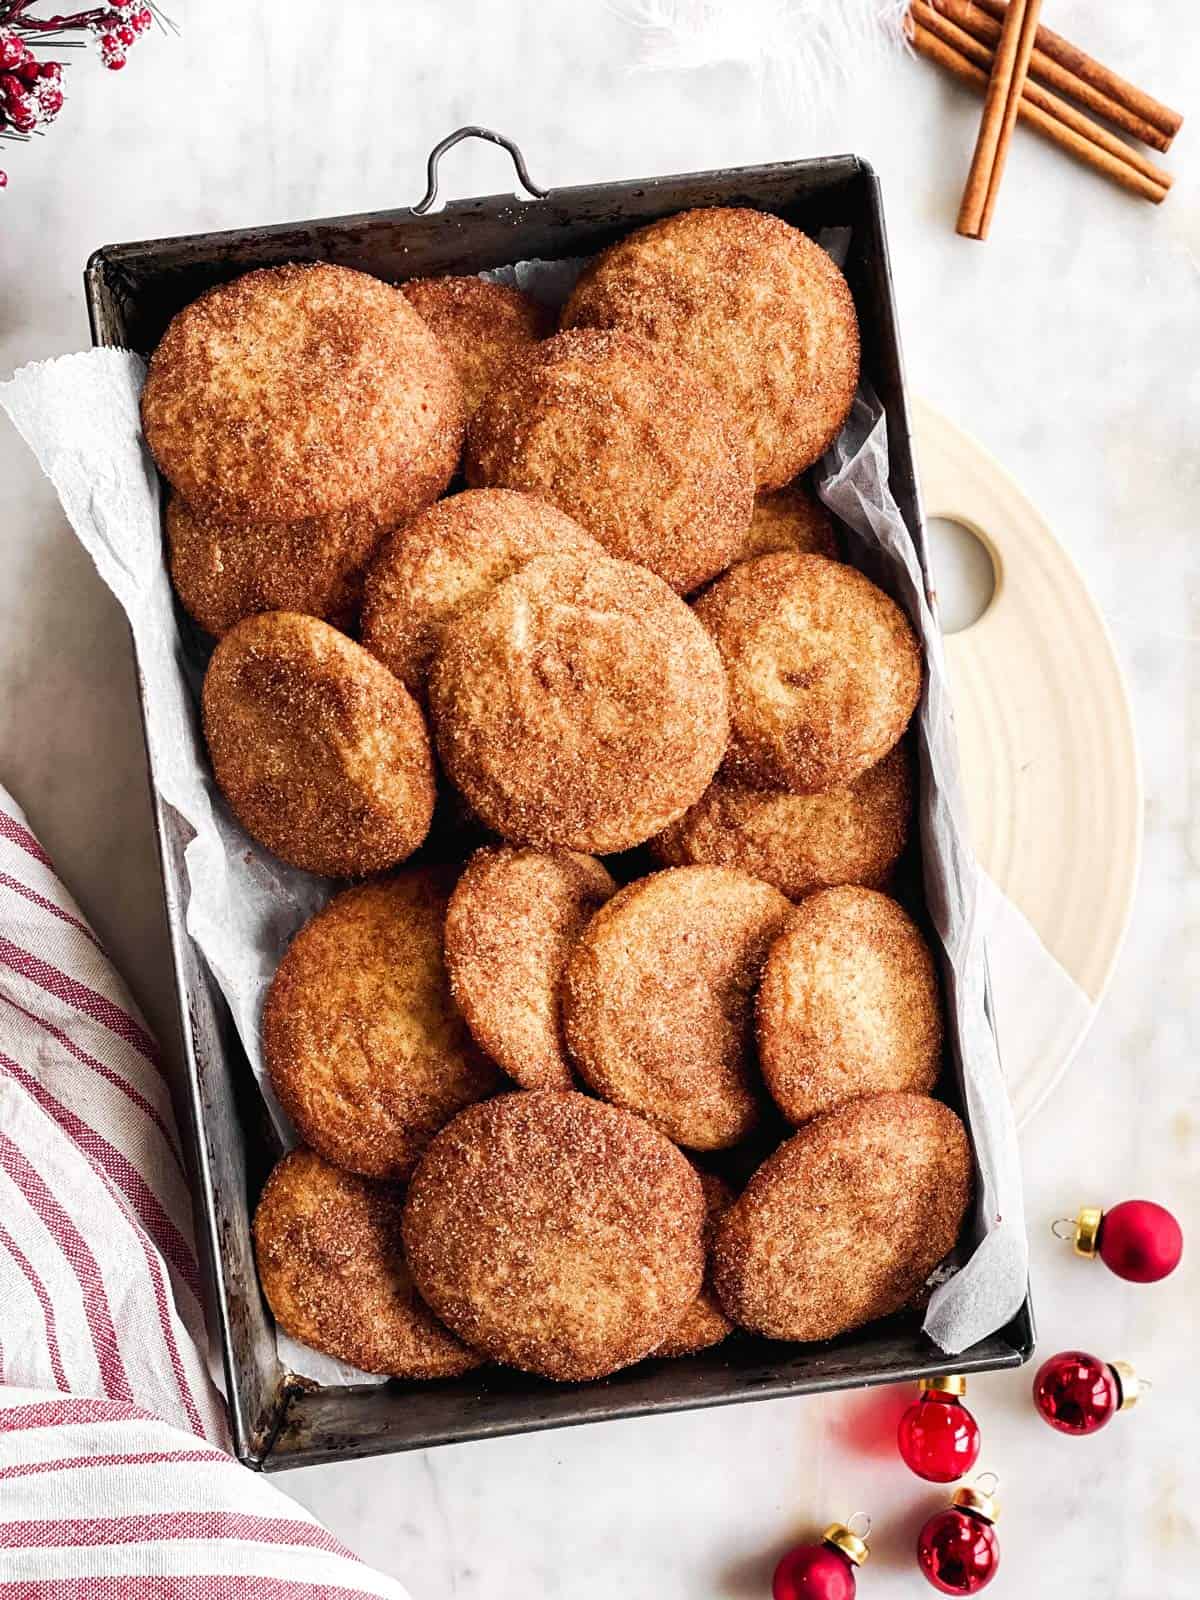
point(964, 574)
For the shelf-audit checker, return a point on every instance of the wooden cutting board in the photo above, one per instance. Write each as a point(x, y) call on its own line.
point(1046, 734)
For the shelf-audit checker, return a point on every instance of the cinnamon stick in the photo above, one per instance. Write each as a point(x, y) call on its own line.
point(1016, 88)
point(1052, 47)
point(1000, 106)
point(1091, 84)
point(995, 100)
point(930, 15)
point(933, 48)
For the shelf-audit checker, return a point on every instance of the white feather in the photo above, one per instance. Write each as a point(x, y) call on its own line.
point(802, 50)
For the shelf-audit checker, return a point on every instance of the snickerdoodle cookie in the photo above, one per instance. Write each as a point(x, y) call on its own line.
point(627, 440)
point(800, 842)
point(445, 561)
point(581, 705)
point(322, 755)
point(824, 670)
point(755, 306)
point(300, 391)
point(481, 326)
point(849, 1004)
point(555, 1233)
point(514, 916)
point(366, 1049)
point(332, 1267)
point(791, 518)
point(224, 571)
point(658, 1000)
point(703, 1324)
point(846, 1221)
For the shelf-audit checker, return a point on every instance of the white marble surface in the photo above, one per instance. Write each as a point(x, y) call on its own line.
point(1069, 343)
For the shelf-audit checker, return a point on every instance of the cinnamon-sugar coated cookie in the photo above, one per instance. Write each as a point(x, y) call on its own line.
point(658, 1000)
point(224, 571)
point(704, 1323)
point(800, 842)
point(480, 325)
point(557, 1234)
point(824, 670)
point(847, 1220)
point(300, 391)
point(754, 306)
point(514, 916)
point(627, 440)
point(445, 561)
point(849, 1004)
point(322, 755)
point(331, 1264)
point(367, 1051)
point(791, 518)
point(580, 706)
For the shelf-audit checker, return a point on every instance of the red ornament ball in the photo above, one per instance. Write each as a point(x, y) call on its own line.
point(1076, 1392)
point(3, 179)
point(958, 1551)
point(938, 1438)
point(813, 1572)
point(1140, 1241)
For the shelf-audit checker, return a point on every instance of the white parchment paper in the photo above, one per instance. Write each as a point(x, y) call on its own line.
point(989, 1287)
point(79, 415)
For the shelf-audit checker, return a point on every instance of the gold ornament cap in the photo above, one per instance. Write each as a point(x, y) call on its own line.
point(852, 1545)
point(1128, 1383)
point(947, 1383)
point(1087, 1231)
point(971, 1498)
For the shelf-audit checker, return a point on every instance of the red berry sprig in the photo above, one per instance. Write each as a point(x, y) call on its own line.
point(117, 29)
point(31, 94)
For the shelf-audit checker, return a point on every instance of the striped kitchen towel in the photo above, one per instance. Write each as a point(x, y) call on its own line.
point(114, 1476)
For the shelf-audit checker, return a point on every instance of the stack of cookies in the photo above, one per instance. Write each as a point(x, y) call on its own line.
point(559, 1111)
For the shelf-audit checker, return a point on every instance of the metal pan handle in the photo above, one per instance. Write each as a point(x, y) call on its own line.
point(457, 137)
